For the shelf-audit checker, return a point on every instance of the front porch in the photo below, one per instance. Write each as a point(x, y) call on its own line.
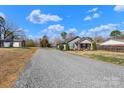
point(84, 46)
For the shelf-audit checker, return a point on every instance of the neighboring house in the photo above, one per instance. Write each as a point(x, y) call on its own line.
point(112, 45)
point(113, 42)
point(78, 43)
point(12, 42)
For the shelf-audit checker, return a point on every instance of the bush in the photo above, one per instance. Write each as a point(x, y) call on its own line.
point(29, 43)
point(49, 45)
point(94, 47)
point(61, 47)
point(44, 42)
point(67, 47)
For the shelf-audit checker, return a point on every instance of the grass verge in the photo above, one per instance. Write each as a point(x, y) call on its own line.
point(106, 56)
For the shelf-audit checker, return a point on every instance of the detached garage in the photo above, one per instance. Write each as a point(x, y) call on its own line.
point(8, 44)
point(17, 44)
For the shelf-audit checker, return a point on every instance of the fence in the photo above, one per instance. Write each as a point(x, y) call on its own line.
point(111, 48)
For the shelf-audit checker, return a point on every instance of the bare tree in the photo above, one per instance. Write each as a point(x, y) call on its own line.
point(99, 39)
point(9, 31)
point(56, 41)
point(2, 23)
point(70, 35)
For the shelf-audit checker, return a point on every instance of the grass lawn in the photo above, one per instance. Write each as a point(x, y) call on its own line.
point(106, 56)
point(12, 62)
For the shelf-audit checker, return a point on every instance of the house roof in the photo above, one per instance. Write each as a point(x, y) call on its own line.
point(69, 40)
point(9, 39)
point(83, 40)
point(72, 39)
point(113, 42)
point(86, 40)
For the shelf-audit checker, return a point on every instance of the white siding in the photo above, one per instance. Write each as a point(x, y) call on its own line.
point(72, 43)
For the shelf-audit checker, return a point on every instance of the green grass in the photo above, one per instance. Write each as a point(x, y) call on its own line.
point(105, 56)
point(109, 59)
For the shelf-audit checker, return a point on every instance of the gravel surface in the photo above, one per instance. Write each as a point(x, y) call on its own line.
point(50, 68)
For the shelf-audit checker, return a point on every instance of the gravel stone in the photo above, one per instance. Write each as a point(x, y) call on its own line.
point(56, 69)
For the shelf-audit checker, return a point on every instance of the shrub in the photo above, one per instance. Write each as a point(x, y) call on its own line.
point(61, 47)
point(44, 42)
point(49, 45)
point(29, 43)
point(94, 47)
point(67, 47)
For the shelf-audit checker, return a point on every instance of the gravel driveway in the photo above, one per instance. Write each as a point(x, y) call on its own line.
point(53, 68)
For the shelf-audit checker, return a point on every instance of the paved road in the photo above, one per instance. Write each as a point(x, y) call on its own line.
point(53, 68)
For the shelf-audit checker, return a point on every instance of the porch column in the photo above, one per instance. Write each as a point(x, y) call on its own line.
point(78, 46)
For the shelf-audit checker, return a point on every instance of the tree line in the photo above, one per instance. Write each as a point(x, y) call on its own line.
point(44, 41)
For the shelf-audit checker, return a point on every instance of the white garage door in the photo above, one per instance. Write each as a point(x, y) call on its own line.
point(16, 44)
point(6, 44)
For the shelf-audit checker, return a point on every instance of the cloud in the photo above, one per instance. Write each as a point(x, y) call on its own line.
point(85, 33)
point(108, 27)
point(93, 14)
point(22, 29)
point(54, 28)
point(96, 15)
point(29, 36)
point(2, 15)
point(82, 33)
point(72, 30)
point(53, 31)
point(102, 30)
point(87, 18)
point(123, 23)
point(37, 17)
point(92, 10)
point(119, 8)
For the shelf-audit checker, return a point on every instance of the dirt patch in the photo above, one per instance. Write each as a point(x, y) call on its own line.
point(12, 62)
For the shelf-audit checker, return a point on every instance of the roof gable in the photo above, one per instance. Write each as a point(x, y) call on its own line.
point(86, 41)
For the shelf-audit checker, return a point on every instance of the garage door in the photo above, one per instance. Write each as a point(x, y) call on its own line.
point(6, 44)
point(16, 44)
